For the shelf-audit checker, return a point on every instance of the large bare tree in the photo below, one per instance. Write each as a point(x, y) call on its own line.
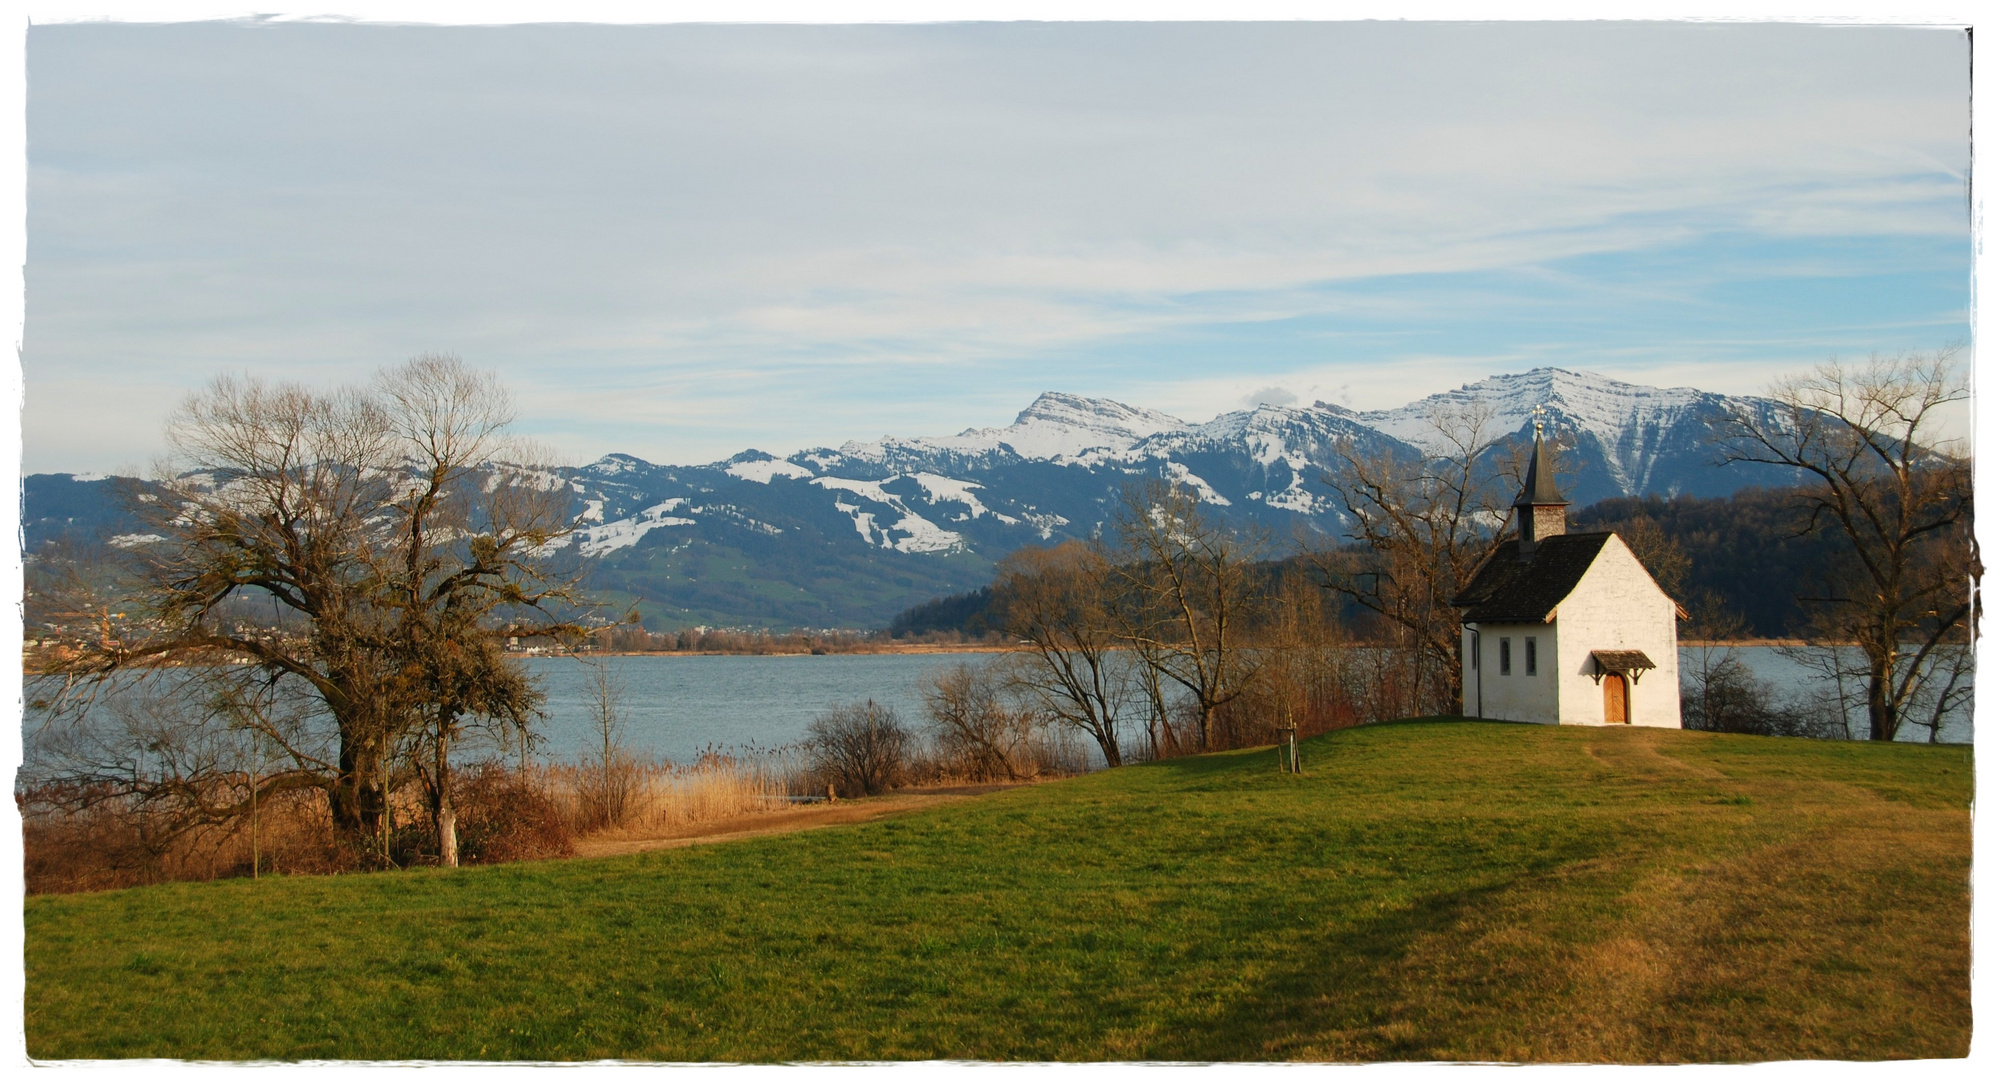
point(469, 536)
point(1423, 523)
point(388, 539)
point(1878, 472)
point(1056, 602)
point(1187, 593)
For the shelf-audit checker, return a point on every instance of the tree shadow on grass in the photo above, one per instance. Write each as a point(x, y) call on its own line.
point(1339, 983)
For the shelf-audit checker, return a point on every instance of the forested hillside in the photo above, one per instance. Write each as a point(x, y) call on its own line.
point(1745, 551)
point(1745, 554)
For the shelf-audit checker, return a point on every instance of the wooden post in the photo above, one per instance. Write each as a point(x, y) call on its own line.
point(1285, 750)
point(256, 766)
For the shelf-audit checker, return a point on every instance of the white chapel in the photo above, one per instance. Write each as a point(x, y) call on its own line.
point(1566, 628)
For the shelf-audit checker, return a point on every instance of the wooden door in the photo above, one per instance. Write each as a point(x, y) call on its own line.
point(1616, 707)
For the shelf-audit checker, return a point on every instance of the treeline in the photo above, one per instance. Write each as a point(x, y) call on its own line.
point(1746, 553)
point(633, 638)
point(1750, 552)
point(1173, 634)
point(973, 613)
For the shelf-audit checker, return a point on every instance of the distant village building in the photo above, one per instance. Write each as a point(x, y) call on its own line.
point(1566, 628)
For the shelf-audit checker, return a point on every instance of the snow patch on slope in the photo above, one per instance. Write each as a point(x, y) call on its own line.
point(925, 536)
point(602, 539)
point(943, 489)
point(762, 472)
point(1180, 474)
point(920, 534)
point(616, 464)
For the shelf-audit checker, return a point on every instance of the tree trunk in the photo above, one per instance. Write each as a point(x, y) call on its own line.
point(447, 836)
point(446, 811)
point(1878, 703)
point(1112, 755)
point(356, 798)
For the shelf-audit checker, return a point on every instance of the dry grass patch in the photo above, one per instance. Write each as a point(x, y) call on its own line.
point(636, 796)
point(1762, 917)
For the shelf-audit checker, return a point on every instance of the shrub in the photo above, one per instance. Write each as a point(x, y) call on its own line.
point(1722, 694)
point(859, 748)
point(502, 817)
point(74, 841)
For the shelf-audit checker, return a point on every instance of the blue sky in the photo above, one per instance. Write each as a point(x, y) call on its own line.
point(682, 241)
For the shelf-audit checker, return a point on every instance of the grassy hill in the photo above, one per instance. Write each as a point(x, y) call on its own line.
point(1426, 890)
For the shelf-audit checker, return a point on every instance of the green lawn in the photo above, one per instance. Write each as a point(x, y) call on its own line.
point(1427, 890)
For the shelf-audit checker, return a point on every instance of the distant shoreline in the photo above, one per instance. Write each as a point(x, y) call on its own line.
point(35, 660)
point(944, 650)
point(1744, 643)
point(31, 654)
point(882, 650)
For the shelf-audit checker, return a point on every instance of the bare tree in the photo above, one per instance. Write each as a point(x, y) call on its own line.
point(381, 519)
point(1188, 592)
point(1719, 692)
point(1948, 690)
point(1056, 602)
point(1660, 554)
point(1424, 523)
point(976, 726)
point(1908, 592)
point(469, 534)
point(1304, 673)
point(603, 690)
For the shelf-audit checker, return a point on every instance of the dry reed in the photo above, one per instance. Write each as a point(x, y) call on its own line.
point(647, 794)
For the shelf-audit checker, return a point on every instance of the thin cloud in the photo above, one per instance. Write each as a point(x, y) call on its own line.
point(844, 218)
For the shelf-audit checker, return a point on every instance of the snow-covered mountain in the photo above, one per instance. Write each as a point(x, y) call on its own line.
point(1629, 439)
point(850, 536)
point(1054, 426)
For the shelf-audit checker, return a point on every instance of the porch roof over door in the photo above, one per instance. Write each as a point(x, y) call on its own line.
point(1629, 662)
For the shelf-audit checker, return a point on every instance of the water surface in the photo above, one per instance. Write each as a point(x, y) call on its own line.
point(676, 706)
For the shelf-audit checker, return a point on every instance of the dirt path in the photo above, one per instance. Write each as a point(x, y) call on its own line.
point(1634, 750)
point(796, 819)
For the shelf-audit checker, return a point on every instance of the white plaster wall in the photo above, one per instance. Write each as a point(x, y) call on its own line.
point(1532, 699)
point(1617, 605)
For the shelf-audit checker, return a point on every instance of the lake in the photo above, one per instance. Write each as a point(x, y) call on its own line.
point(1793, 680)
point(676, 706)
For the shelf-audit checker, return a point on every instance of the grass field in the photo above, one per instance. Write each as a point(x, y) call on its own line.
point(1427, 890)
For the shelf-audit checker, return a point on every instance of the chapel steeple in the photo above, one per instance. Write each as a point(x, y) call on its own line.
point(1541, 512)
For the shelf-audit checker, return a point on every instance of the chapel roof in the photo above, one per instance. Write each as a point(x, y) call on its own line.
point(1507, 588)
